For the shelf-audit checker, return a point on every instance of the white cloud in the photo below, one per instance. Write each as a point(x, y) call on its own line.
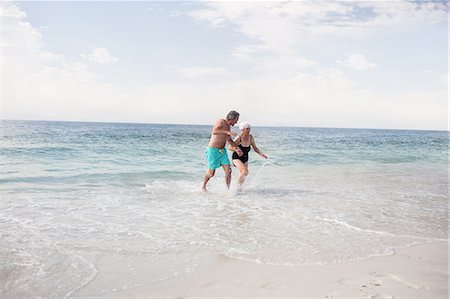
point(284, 26)
point(405, 11)
point(357, 62)
point(12, 11)
point(212, 16)
point(247, 53)
point(100, 55)
point(199, 71)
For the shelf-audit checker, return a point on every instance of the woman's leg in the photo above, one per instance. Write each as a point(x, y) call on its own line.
point(243, 171)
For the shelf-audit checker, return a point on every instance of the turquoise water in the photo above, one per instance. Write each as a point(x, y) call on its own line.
point(87, 208)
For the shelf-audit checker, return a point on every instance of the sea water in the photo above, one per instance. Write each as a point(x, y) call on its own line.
point(92, 208)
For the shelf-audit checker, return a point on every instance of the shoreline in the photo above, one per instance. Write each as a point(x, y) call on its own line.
point(418, 271)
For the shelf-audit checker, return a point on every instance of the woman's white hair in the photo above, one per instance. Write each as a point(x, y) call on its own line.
point(244, 125)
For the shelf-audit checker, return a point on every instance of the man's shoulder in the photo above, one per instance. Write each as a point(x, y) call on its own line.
point(221, 122)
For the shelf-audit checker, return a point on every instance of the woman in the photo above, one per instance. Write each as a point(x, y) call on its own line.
point(244, 140)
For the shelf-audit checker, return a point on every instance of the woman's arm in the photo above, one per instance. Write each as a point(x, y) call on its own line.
point(252, 142)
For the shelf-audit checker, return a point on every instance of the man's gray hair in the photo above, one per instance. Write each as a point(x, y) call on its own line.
point(232, 115)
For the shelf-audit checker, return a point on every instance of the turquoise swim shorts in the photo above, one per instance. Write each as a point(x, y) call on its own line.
point(216, 157)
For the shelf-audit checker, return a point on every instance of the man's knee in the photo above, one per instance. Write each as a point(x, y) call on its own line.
point(210, 173)
point(227, 171)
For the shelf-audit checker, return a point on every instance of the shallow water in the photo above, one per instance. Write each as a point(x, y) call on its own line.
point(89, 208)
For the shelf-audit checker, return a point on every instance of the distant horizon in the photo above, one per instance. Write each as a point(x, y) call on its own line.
point(211, 125)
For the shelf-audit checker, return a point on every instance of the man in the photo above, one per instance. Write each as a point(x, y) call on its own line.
point(216, 153)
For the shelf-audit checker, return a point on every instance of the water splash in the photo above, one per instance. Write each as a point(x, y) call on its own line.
point(266, 162)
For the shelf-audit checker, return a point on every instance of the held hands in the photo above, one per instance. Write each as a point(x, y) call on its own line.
point(231, 133)
point(239, 152)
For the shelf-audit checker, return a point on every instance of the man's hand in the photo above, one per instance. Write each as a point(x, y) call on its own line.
point(239, 152)
point(231, 133)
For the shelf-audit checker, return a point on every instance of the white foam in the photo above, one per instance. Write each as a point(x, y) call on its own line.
point(370, 231)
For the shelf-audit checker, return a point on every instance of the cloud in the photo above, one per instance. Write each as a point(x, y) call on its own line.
point(213, 17)
point(357, 62)
point(246, 52)
point(12, 11)
point(199, 71)
point(284, 26)
point(100, 55)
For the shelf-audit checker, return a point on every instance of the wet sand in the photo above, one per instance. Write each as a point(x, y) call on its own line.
point(416, 272)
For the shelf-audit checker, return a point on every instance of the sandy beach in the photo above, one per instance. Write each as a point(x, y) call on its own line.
point(416, 272)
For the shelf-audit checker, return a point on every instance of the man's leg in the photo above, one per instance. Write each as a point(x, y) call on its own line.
point(209, 174)
point(227, 170)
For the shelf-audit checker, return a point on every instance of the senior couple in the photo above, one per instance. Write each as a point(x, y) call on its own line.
point(216, 153)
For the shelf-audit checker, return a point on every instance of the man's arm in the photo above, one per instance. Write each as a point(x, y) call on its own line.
point(237, 141)
point(235, 145)
point(218, 129)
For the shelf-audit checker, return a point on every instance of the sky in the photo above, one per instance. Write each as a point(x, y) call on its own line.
point(348, 64)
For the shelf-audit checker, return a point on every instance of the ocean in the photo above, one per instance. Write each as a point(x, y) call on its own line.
point(92, 208)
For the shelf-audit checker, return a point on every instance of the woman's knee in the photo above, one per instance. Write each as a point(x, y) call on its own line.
point(244, 172)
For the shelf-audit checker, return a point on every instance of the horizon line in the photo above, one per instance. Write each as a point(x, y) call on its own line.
point(187, 124)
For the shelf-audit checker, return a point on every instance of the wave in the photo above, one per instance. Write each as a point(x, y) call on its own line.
point(377, 232)
point(100, 177)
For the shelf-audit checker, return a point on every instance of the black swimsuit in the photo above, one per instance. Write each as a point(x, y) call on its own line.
point(244, 157)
